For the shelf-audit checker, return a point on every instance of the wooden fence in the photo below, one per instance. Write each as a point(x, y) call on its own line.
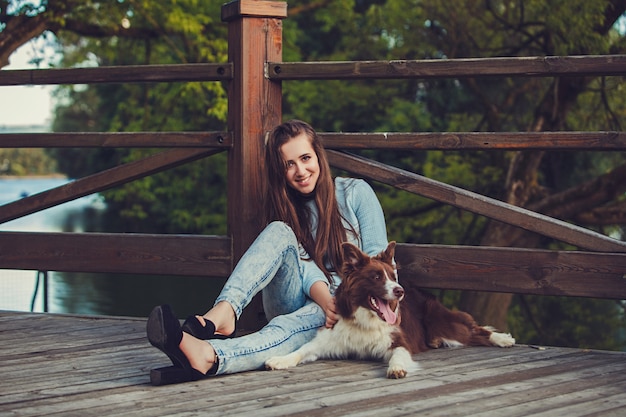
point(255, 72)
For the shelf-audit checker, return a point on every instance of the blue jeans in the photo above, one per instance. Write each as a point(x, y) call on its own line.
point(272, 265)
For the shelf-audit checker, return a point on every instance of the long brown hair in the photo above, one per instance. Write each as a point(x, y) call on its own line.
point(285, 204)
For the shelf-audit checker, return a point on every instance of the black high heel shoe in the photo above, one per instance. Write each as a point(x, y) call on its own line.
point(164, 333)
point(193, 326)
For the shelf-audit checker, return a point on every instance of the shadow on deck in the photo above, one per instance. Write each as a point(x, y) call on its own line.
point(76, 365)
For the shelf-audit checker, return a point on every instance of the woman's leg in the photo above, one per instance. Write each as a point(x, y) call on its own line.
point(283, 334)
point(272, 260)
point(271, 264)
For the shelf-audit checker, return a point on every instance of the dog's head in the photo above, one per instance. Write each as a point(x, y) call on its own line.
point(369, 283)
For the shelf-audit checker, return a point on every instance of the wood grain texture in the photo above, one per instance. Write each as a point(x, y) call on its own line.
point(409, 141)
point(119, 74)
point(514, 270)
point(451, 68)
point(217, 140)
point(117, 253)
point(253, 8)
point(254, 108)
point(420, 141)
point(476, 203)
point(95, 366)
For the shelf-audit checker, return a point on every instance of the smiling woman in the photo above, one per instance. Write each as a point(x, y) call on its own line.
point(301, 163)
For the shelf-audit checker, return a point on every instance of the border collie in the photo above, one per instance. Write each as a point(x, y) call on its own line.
point(373, 324)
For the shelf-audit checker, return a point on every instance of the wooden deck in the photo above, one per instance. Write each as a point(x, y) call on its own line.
point(71, 365)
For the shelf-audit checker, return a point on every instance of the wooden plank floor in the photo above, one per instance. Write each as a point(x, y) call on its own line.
point(82, 366)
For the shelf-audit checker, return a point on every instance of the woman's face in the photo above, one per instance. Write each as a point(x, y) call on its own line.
point(302, 168)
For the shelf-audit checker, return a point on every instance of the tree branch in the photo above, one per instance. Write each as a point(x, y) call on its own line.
point(22, 28)
point(307, 7)
point(609, 215)
point(19, 30)
point(614, 10)
point(583, 200)
point(97, 31)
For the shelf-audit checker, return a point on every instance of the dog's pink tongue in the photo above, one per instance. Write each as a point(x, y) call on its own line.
point(390, 316)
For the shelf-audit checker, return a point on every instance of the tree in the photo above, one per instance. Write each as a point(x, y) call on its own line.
point(409, 30)
point(23, 20)
point(522, 187)
point(573, 186)
point(148, 33)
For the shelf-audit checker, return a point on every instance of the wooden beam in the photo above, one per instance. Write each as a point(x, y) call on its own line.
point(253, 8)
point(514, 270)
point(254, 108)
point(548, 66)
point(476, 203)
point(119, 74)
point(117, 253)
point(101, 181)
point(477, 141)
point(392, 140)
point(218, 140)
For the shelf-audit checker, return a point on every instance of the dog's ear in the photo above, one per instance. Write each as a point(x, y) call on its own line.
point(387, 255)
point(353, 258)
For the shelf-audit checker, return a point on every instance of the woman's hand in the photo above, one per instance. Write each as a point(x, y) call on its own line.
point(321, 295)
point(331, 313)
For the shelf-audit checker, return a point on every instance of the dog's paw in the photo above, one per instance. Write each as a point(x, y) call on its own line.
point(400, 364)
point(280, 362)
point(502, 339)
point(394, 372)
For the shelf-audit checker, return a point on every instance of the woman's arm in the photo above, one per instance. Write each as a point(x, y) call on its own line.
point(321, 295)
point(371, 218)
point(316, 286)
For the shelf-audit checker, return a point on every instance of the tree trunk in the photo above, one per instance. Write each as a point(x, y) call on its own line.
point(522, 188)
point(491, 308)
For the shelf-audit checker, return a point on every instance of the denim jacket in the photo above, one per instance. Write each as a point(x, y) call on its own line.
point(360, 207)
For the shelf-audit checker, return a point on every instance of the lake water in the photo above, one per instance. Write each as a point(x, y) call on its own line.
point(92, 294)
point(18, 287)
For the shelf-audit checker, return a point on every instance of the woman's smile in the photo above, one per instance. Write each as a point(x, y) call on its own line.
point(302, 168)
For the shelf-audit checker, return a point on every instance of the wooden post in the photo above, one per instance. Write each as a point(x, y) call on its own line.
point(254, 107)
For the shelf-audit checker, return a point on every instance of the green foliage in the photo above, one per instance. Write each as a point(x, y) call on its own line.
point(82, 109)
point(397, 29)
point(560, 321)
point(188, 199)
point(176, 32)
point(22, 162)
point(191, 199)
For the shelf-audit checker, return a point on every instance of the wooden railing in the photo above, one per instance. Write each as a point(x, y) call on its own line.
point(255, 72)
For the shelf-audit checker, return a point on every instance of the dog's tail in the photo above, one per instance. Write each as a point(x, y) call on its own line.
point(488, 336)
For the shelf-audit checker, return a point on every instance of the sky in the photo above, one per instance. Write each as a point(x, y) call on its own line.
point(25, 105)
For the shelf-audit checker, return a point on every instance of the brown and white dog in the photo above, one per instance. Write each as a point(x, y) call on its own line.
point(373, 324)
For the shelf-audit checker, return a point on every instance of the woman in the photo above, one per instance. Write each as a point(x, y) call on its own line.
point(294, 262)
